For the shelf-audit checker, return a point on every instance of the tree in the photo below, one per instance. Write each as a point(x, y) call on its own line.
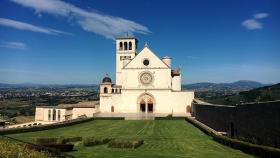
point(265, 95)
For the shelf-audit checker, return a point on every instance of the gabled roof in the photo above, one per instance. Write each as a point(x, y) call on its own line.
point(146, 53)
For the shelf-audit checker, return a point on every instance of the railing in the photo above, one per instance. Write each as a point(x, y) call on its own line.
point(52, 151)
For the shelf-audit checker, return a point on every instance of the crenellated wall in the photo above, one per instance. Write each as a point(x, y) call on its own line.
point(257, 122)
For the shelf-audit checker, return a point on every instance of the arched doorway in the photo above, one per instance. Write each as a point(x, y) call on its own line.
point(146, 103)
point(150, 106)
point(142, 106)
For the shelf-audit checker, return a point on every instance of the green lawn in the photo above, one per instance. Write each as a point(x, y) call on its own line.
point(162, 138)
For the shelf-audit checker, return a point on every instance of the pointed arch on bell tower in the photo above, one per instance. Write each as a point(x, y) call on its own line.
point(125, 51)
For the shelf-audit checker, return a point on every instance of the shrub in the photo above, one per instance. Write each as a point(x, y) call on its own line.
point(52, 148)
point(44, 127)
point(109, 118)
point(60, 147)
point(10, 149)
point(257, 150)
point(46, 140)
point(61, 140)
point(253, 149)
point(72, 139)
point(119, 143)
point(91, 141)
point(170, 118)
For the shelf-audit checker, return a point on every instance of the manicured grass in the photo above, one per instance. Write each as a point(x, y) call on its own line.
point(162, 138)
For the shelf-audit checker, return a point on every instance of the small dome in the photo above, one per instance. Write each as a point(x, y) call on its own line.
point(106, 79)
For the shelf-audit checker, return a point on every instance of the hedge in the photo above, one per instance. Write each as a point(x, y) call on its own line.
point(92, 141)
point(253, 149)
point(60, 140)
point(119, 143)
point(53, 126)
point(170, 118)
point(47, 140)
point(108, 118)
point(51, 147)
point(72, 139)
point(44, 127)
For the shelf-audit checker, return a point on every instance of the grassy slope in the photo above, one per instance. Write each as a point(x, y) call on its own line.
point(163, 138)
point(24, 119)
point(9, 149)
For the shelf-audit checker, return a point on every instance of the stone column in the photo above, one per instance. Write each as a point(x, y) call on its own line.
point(146, 107)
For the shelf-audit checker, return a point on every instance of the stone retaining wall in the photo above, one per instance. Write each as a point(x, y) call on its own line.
point(255, 122)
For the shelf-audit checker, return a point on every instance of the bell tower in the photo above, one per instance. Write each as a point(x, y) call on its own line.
point(125, 51)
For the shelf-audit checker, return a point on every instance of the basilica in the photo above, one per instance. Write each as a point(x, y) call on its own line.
point(144, 84)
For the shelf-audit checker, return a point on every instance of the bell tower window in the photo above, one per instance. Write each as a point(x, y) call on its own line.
point(125, 45)
point(121, 46)
point(130, 46)
point(105, 90)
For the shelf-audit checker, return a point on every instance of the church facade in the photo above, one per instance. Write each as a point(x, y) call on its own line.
point(145, 83)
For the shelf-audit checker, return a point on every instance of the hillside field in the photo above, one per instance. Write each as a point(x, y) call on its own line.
point(162, 138)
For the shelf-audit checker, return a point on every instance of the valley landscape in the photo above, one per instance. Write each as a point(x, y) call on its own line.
point(18, 101)
point(139, 79)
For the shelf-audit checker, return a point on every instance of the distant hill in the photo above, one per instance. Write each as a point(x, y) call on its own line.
point(266, 93)
point(33, 85)
point(7, 85)
point(242, 85)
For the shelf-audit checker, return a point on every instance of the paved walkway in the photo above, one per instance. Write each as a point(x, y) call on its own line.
point(139, 116)
point(198, 101)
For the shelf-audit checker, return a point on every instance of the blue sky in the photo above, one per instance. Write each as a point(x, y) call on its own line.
point(70, 42)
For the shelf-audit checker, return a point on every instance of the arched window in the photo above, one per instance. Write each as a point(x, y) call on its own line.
point(125, 45)
point(113, 90)
point(121, 46)
point(105, 90)
point(54, 114)
point(130, 46)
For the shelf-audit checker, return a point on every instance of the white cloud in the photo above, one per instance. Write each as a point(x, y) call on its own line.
point(261, 15)
point(25, 26)
point(91, 21)
point(14, 45)
point(252, 24)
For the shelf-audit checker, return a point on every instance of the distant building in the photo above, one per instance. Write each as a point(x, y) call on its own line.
point(64, 112)
point(144, 83)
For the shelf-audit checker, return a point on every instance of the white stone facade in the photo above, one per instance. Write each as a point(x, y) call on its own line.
point(144, 83)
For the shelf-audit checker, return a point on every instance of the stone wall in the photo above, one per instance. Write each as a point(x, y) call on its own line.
point(255, 122)
point(215, 116)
